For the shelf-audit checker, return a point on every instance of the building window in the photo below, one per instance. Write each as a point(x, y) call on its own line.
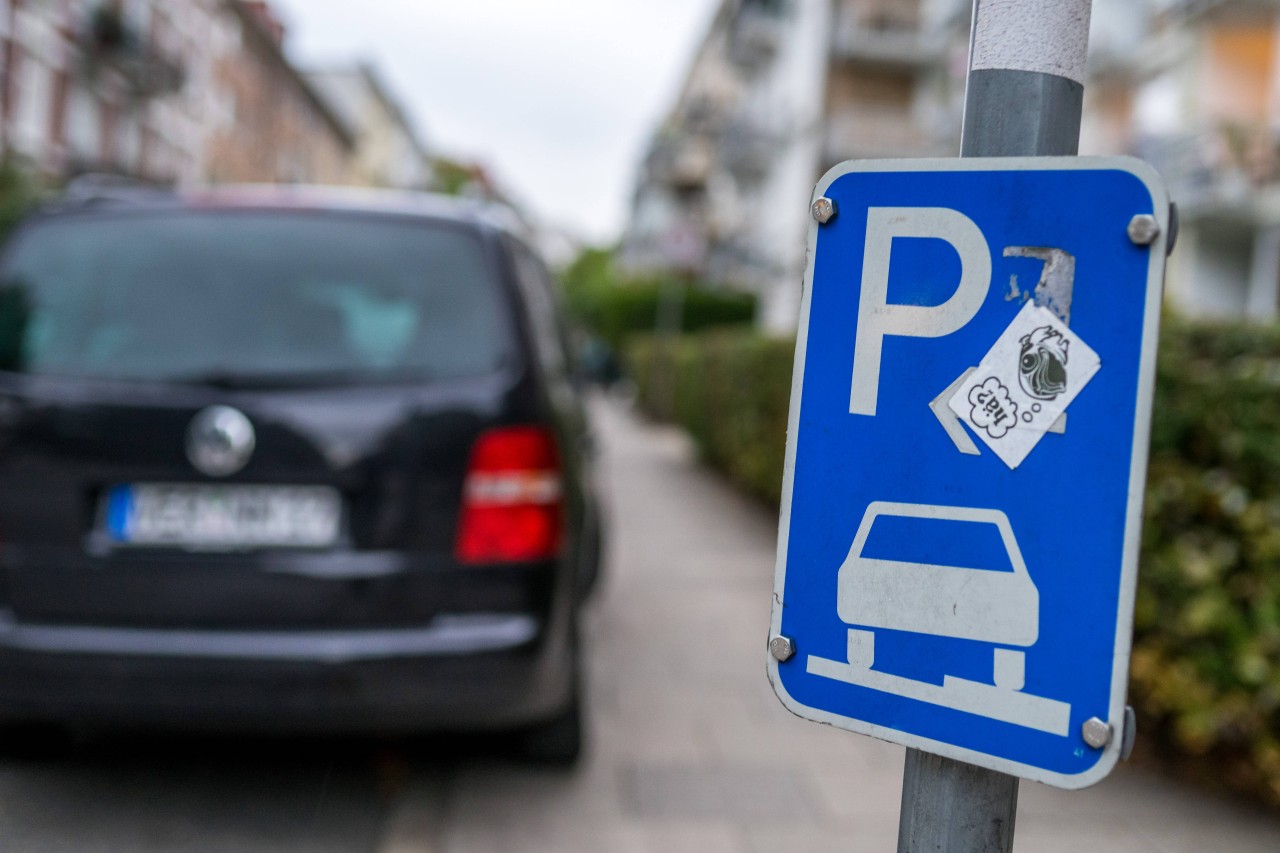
point(83, 132)
point(34, 92)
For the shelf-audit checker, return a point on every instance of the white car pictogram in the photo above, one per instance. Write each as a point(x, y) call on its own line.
point(991, 605)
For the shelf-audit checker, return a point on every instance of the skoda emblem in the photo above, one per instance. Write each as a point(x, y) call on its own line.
point(220, 441)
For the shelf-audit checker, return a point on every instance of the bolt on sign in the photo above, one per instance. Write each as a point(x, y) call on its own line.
point(966, 454)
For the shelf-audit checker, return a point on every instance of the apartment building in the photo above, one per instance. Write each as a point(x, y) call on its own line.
point(172, 92)
point(79, 83)
point(1205, 110)
point(779, 92)
point(1193, 86)
point(271, 125)
point(717, 196)
point(895, 80)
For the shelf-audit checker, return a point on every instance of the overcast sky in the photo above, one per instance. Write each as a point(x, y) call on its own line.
point(558, 97)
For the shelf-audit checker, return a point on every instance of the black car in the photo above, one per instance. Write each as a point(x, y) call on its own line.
point(289, 459)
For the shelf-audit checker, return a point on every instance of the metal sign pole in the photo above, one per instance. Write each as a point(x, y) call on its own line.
point(1024, 98)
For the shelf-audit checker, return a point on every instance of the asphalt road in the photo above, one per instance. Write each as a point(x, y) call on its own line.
point(690, 750)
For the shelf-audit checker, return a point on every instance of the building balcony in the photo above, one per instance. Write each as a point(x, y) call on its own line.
point(871, 133)
point(706, 114)
point(756, 35)
point(890, 43)
point(1222, 171)
point(111, 43)
point(681, 161)
point(749, 148)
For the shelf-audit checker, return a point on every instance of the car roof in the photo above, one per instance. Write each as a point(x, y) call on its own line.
point(114, 195)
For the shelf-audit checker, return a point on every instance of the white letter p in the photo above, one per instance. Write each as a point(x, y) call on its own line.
point(878, 318)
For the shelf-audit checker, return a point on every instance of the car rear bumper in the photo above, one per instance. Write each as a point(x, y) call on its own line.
point(474, 671)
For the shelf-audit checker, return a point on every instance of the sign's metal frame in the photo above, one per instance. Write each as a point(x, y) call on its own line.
point(1137, 472)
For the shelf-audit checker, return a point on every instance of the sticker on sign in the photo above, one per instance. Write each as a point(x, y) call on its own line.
point(1024, 384)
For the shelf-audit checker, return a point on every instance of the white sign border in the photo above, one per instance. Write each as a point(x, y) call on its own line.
point(1137, 471)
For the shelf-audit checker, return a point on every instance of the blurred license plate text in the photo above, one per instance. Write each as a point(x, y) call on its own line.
point(206, 516)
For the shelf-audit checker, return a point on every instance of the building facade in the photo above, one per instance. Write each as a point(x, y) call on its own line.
point(185, 92)
point(269, 124)
point(779, 92)
point(1193, 86)
point(1204, 108)
point(895, 80)
point(718, 190)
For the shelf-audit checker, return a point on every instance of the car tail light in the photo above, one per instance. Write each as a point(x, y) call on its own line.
point(512, 499)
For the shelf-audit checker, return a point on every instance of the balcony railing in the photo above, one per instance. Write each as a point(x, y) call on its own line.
point(886, 42)
point(110, 42)
point(756, 35)
point(750, 144)
point(681, 161)
point(869, 133)
point(1217, 167)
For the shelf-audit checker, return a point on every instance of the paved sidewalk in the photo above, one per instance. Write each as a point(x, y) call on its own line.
point(691, 750)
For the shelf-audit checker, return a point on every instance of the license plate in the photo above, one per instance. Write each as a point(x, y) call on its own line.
point(205, 516)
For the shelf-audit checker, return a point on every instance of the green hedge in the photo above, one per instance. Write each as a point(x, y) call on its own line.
point(731, 392)
point(19, 192)
point(1206, 661)
point(615, 307)
point(635, 307)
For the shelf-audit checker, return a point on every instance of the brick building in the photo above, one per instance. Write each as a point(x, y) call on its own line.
point(273, 125)
point(184, 92)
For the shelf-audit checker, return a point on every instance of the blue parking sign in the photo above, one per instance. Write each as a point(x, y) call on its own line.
point(966, 457)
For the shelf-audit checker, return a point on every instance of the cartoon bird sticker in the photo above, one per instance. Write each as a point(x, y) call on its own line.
point(1042, 366)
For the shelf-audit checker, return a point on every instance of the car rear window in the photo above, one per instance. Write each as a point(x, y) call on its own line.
point(249, 296)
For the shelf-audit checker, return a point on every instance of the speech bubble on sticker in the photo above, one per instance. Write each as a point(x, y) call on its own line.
point(993, 410)
point(1024, 383)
